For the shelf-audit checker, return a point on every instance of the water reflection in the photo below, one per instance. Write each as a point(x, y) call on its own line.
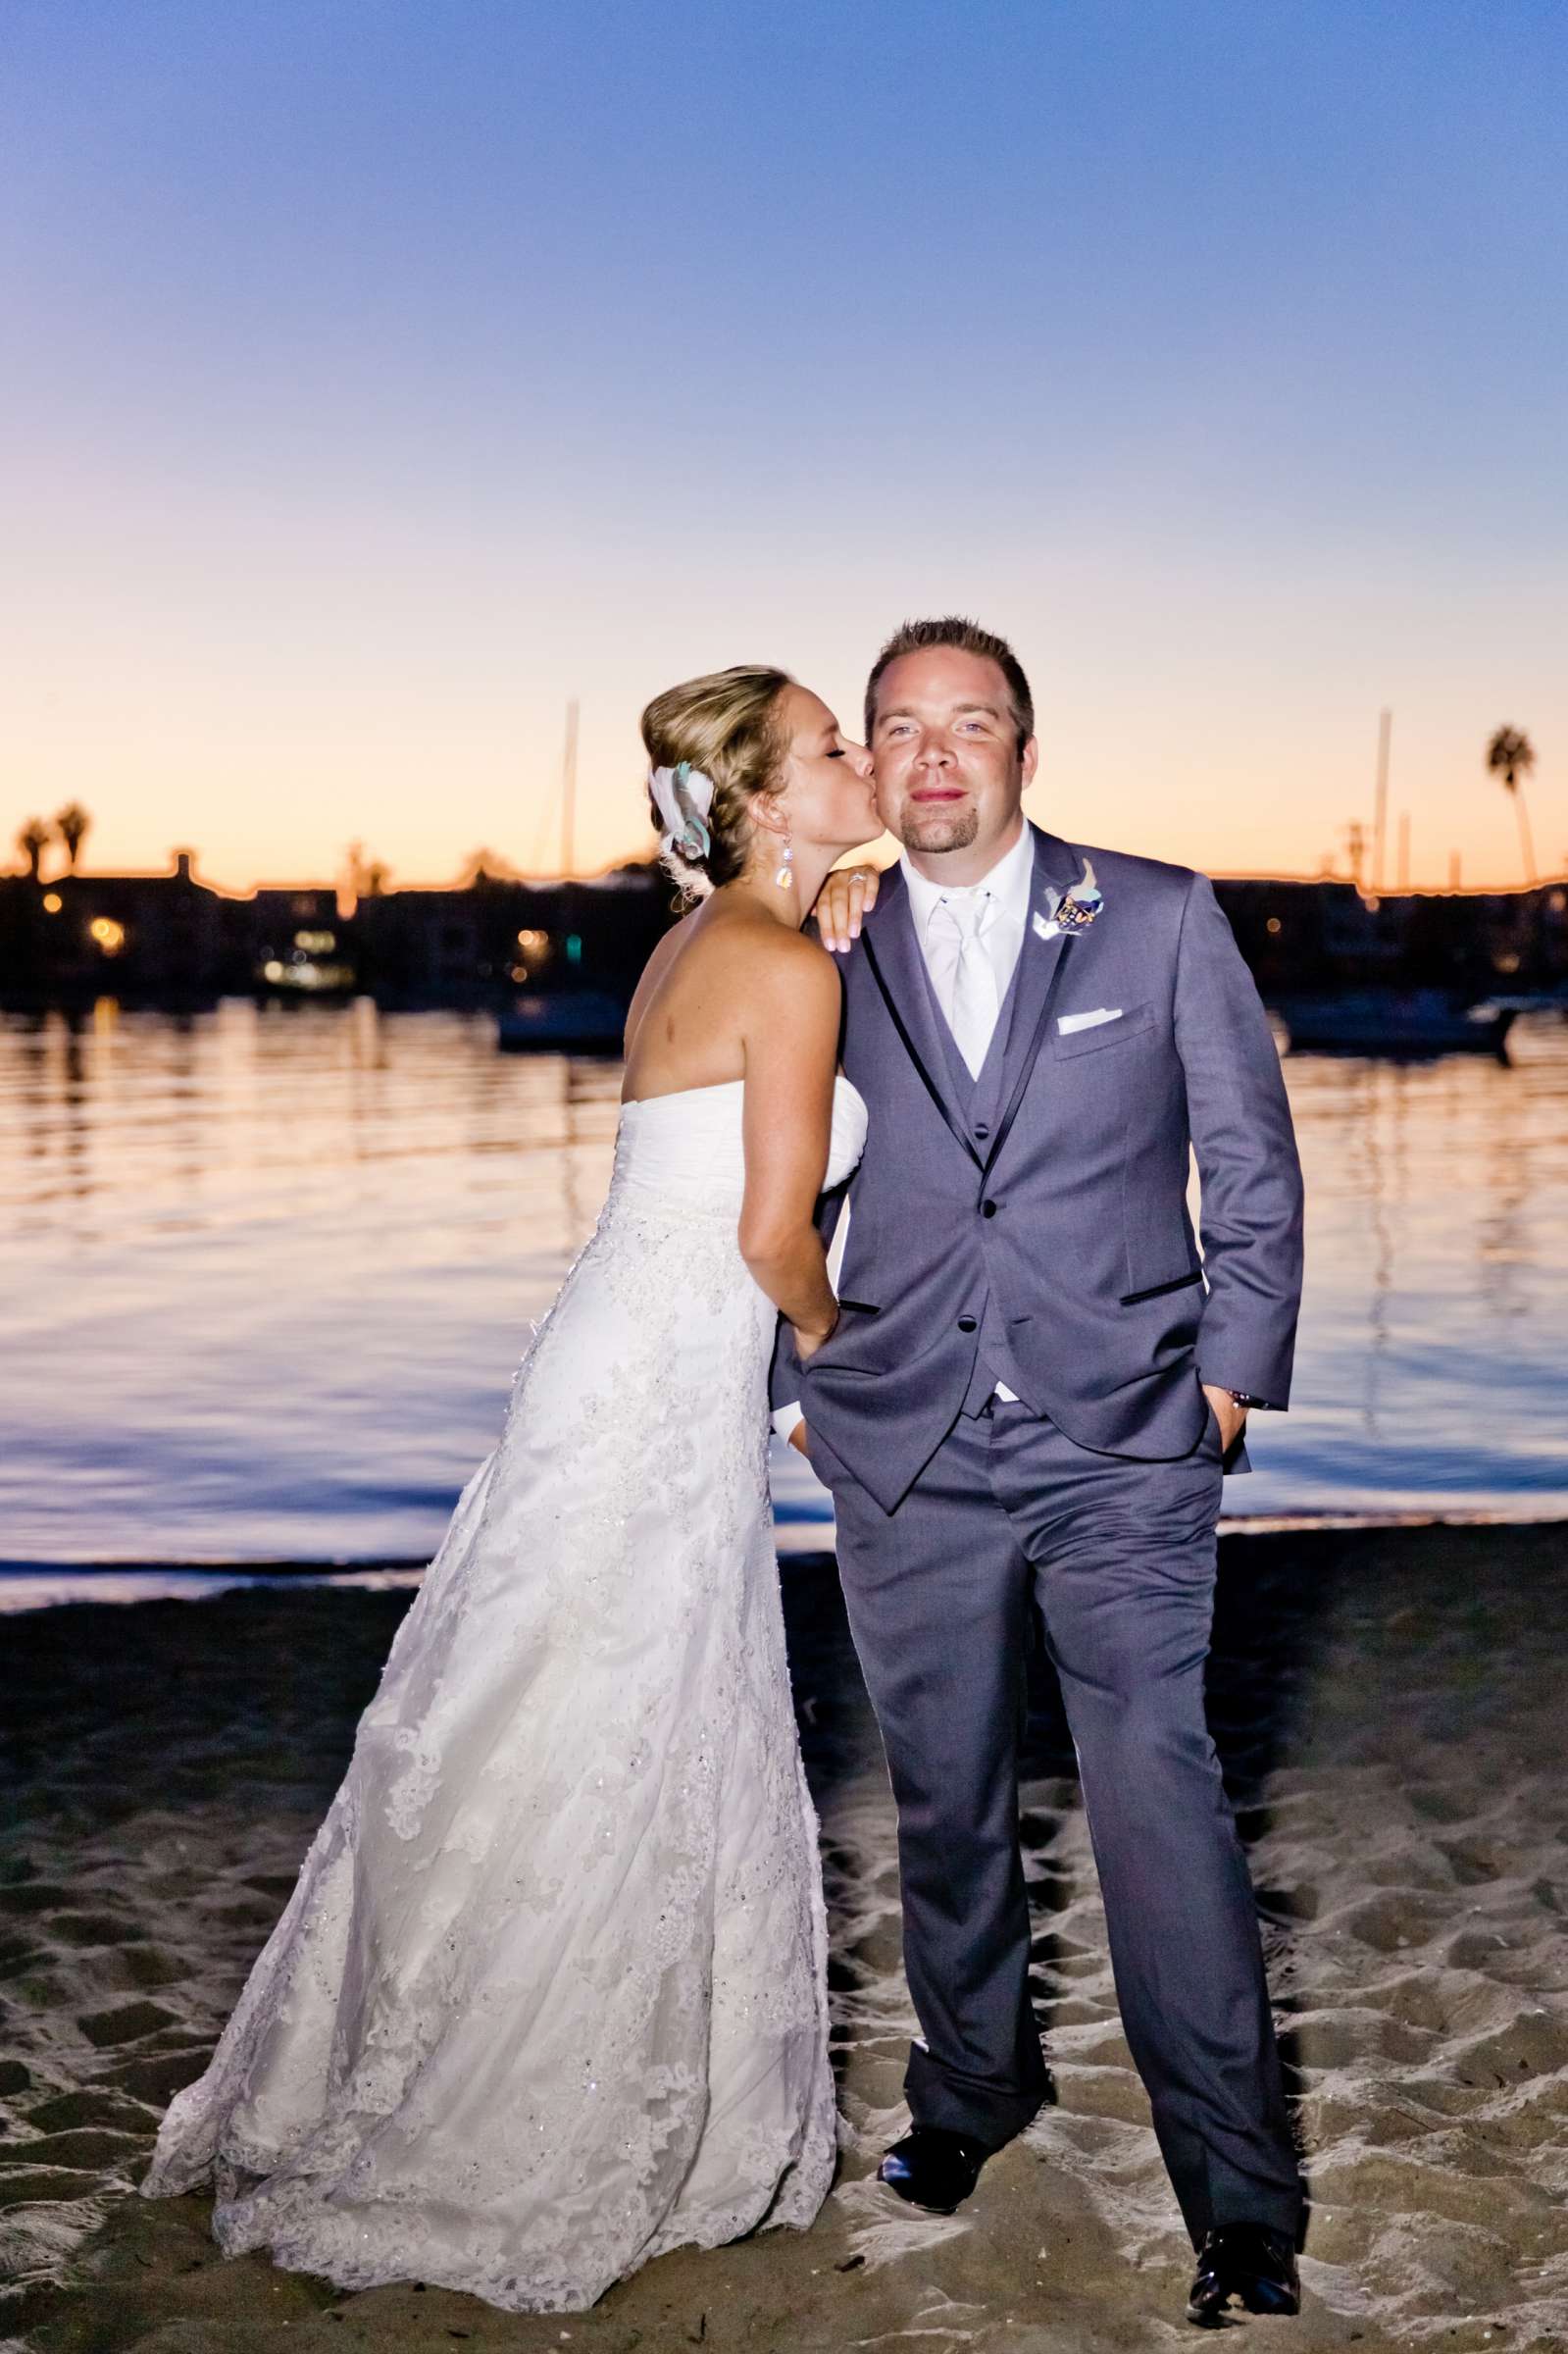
point(273, 1268)
point(1437, 1276)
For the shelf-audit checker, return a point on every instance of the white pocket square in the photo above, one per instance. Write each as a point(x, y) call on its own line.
point(1067, 1023)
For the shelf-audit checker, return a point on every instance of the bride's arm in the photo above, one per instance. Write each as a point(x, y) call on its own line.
point(791, 1051)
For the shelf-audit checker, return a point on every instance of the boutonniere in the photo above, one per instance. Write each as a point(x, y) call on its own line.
point(1073, 910)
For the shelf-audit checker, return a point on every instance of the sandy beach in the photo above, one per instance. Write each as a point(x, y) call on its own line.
point(1388, 1708)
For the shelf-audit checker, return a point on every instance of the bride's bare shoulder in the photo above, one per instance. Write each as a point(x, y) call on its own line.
point(774, 948)
point(783, 973)
point(733, 961)
point(762, 970)
point(716, 992)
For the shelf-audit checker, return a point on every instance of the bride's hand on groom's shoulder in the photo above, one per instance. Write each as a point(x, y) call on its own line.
point(849, 892)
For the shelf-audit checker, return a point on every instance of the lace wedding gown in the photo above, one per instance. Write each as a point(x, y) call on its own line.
point(550, 1996)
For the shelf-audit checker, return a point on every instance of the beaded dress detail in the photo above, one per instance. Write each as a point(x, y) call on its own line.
point(549, 1998)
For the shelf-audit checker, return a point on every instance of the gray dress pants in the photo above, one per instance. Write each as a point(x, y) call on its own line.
point(1120, 1558)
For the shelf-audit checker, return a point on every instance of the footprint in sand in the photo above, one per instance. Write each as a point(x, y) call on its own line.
point(125, 2024)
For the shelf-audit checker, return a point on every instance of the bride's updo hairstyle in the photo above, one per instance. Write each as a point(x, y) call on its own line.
point(726, 726)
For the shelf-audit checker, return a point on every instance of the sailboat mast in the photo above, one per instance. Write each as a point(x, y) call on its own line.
point(1379, 816)
point(569, 792)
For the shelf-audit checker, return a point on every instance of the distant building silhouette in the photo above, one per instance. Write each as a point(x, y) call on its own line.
point(1327, 934)
point(135, 936)
point(173, 939)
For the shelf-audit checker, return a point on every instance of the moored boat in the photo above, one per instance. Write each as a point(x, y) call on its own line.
point(562, 1021)
point(1395, 1021)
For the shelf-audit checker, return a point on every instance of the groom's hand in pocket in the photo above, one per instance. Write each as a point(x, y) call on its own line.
point(1231, 1417)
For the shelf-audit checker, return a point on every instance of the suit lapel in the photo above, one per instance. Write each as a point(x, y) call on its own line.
point(899, 970)
point(1056, 865)
point(963, 1087)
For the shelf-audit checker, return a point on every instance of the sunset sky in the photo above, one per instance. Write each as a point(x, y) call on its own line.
point(382, 373)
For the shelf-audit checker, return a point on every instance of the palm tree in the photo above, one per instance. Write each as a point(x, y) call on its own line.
point(32, 841)
point(1511, 755)
point(72, 825)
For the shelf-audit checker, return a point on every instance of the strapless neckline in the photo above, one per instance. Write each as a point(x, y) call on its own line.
point(687, 1146)
point(719, 1086)
point(678, 1095)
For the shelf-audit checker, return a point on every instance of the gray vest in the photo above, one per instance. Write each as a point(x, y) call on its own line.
point(980, 1102)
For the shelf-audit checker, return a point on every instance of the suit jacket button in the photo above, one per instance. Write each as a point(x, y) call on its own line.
point(968, 1323)
point(988, 1210)
point(981, 1129)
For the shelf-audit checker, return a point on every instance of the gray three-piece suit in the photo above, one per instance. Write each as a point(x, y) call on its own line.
point(1029, 1227)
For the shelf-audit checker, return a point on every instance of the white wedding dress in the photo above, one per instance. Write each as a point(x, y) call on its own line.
point(550, 1996)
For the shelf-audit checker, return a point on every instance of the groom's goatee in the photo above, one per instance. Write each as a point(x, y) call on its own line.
point(939, 829)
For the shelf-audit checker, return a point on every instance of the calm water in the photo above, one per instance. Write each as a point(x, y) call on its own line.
point(271, 1273)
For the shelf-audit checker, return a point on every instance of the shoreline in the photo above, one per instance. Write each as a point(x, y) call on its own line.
point(32, 1585)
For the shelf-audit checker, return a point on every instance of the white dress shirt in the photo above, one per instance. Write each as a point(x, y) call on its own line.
point(998, 907)
point(1002, 897)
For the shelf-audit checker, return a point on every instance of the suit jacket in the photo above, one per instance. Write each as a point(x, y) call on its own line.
point(1032, 1226)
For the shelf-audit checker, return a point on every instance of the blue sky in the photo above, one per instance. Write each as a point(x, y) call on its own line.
point(381, 375)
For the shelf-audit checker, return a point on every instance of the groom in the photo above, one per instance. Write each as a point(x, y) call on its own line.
point(1032, 1390)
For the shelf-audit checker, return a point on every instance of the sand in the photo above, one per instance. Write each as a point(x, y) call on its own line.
point(1389, 1712)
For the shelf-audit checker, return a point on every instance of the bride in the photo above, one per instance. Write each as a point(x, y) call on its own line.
point(550, 1996)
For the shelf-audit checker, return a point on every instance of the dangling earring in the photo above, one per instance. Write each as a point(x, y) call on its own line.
point(785, 878)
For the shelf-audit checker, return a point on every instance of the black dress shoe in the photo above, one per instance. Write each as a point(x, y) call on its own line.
point(933, 2168)
point(1246, 2265)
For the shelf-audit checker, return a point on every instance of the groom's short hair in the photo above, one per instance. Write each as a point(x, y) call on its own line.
point(966, 638)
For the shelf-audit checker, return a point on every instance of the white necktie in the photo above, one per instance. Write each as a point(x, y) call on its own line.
point(964, 975)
